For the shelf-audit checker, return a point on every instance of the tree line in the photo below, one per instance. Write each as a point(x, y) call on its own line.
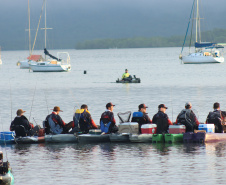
point(216, 35)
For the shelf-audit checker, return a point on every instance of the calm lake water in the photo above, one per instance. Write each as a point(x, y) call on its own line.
point(163, 80)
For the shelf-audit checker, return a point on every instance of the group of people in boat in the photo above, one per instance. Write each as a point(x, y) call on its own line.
point(83, 122)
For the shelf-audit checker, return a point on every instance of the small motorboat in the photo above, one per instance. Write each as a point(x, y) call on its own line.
point(61, 138)
point(133, 80)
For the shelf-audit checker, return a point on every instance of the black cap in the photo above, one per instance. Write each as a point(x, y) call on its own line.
point(142, 106)
point(162, 106)
point(109, 105)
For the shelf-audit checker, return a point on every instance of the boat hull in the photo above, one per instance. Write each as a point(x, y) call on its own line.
point(193, 59)
point(7, 178)
point(50, 68)
point(141, 138)
point(25, 64)
point(61, 138)
point(30, 140)
point(119, 137)
point(91, 138)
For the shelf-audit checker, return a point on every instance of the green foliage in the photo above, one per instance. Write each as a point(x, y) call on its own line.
point(216, 35)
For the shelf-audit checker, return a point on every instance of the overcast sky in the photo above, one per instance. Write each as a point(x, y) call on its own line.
point(90, 19)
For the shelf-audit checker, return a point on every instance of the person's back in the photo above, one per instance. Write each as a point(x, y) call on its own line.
point(107, 120)
point(215, 118)
point(161, 119)
point(21, 125)
point(82, 119)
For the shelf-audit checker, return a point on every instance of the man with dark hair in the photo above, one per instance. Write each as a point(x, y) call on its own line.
point(83, 120)
point(21, 125)
point(126, 76)
point(107, 120)
point(54, 123)
point(161, 119)
point(141, 116)
point(188, 118)
point(216, 118)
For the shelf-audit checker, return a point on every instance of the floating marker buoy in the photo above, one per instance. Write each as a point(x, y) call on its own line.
point(85, 72)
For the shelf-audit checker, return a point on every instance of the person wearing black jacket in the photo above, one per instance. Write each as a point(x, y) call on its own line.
point(21, 125)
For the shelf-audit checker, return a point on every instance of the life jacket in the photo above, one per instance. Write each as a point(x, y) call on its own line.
point(139, 118)
point(54, 127)
point(215, 118)
point(105, 122)
point(161, 120)
point(81, 120)
point(186, 117)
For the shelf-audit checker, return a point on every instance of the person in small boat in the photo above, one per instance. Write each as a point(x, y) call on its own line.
point(54, 123)
point(107, 120)
point(141, 116)
point(21, 125)
point(1, 158)
point(83, 120)
point(4, 166)
point(161, 119)
point(126, 76)
point(216, 117)
point(188, 118)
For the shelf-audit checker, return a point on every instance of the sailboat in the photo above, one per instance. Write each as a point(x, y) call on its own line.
point(205, 52)
point(54, 64)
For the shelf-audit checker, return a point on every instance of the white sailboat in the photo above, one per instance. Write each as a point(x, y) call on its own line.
point(205, 52)
point(55, 64)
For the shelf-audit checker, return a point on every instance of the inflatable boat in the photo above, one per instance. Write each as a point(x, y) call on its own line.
point(173, 138)
point(61, 138)
point(29, 139)
point(141, 138)
point(91, 138)
point(124, 137)
point(134, 80)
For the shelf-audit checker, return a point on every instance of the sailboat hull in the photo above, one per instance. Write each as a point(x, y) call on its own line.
point(196, 59)
point(25, 64)
point(50, 67)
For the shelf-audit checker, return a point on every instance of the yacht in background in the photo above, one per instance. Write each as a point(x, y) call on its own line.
point(205, 52)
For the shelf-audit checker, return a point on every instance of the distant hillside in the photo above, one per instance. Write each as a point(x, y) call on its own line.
point(217, 35)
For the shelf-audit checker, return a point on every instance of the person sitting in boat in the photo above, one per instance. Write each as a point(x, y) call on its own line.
point(126, 76)
point(1, 158)
point(161, 119)
point(216, 117)
point(21, 125)
point(107, 120)
point(83, 120)
point(141, 116)
point(188, 118)
point(54, 123)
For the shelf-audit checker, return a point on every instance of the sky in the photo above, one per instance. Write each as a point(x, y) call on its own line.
point(78, 20)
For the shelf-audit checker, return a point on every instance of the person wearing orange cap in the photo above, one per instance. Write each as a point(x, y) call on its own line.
point(21, 125)
point(54, 123)
point(107, 120)
point(162, 120)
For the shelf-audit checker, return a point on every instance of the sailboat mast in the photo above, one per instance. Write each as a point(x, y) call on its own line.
point(45, 28)
point(197, 13)
point(29, 28)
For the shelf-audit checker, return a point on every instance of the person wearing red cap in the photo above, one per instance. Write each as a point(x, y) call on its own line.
point(162, 120)
point(141, 116)
point(188, 118)
point(107, 120)
point(54, 123)
point(21, 125)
